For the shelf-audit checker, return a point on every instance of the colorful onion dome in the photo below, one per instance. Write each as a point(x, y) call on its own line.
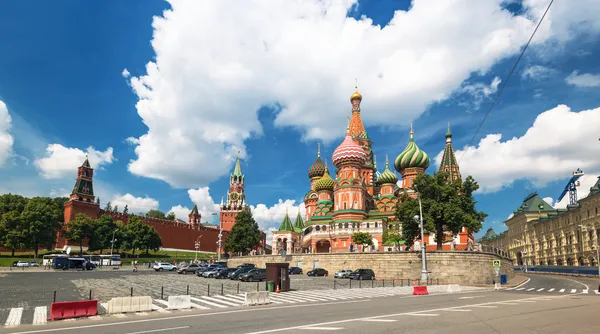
point(387, 176)
point(412, 156)
point(318, 168)
point(348, 151)
point(325, 182)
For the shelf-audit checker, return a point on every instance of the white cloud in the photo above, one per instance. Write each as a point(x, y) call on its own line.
point(200, 96)
point(181, 212)
point(60, 192)
point(269, 218)
point(125, 73)
point(548, 200)
point(510, 216)
point(202, 198)
point(135, 205)
point(6, 139)
point(61, 161)
point(558, 142)
point(583, 80)
point(477, 93)
point(585, 183)
point(537, 72)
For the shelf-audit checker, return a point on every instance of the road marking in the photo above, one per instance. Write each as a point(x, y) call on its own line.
point(159, 309)
point(379, 320)
point(486, 306)
point(245, 310)
point(95, 317)
point(423, 314)
point(160, 301)
point(160, 330)
point(530, 289)
point(141, 313)
point(519, 289)
point(562, 290)
point(323, 328)
point(217, 300)
point(526, 301)
point(193, 305)
point(507, 303)
point(585, 291)
point(597, 292)
point(457, 310)
point(39, 315)
point(573, 290)
point(119, 315)
point(471, 297)
point(14, 317)
point(551, 290)
point(540, 289)
point(520, 285)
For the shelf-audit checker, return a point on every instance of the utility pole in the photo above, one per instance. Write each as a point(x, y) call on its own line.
point(424, 274)
point(112, 243)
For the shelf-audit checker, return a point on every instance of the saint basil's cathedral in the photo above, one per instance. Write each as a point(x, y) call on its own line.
point(359, 198)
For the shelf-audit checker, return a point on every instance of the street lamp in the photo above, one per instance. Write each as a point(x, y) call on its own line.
point(112, 243)
point(197, 246)
point(219, 242)
point(419, 218)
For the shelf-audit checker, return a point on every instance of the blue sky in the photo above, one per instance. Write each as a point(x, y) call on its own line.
point(272, 81)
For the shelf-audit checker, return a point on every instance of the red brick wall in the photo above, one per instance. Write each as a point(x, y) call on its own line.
point(174, 234)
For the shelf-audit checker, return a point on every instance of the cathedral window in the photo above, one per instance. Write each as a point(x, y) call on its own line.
point(340, 225)
point(375, 224)
point(345, 225)
point(344, 206)
point(368, 225)
point(318, 228)
point(81, 198)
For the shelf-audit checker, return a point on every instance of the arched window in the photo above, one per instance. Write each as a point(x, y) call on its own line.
point(368, 225)
point(318, 228)
point(340, 225)
point(324, 228)
point(375, 224)
point(81, 198)
point(345, 225)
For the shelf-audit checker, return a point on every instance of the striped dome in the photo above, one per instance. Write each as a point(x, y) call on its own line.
point(349, 151)
point(387, 176)
point(412, 156)
point(325, 183)
point(317, 169)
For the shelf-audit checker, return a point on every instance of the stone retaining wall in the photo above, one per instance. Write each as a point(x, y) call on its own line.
point(447, 266)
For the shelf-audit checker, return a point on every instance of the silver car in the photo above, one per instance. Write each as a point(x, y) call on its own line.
point(212, 272)
point(342, 274)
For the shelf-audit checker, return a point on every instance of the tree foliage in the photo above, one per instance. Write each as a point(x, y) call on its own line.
point(171, 216)
point(447, 207)
point(362, 238)
point(80, 228)
point(42, 219)
point(137, 235)
point(154, 213)
point(245, 234)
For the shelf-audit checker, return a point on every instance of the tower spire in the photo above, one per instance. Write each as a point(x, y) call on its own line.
point(387, 163)
point(449, 163)
point(411, 130)
point(375, 162)
point(237, 171)
point(318, 150)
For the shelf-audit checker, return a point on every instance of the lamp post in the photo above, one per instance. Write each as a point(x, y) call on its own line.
point(219, 242)
point(197, 246)
point(112, 243)
point(424, 274)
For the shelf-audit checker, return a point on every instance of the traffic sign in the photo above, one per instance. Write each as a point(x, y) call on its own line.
point(496, 263)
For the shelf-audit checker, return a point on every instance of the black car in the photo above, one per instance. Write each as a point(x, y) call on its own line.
point(224, 273)
point(362, 274)
point(318, 272)
point(245, 265)
point(254, 275)
point(236, 274)
point(295, 271)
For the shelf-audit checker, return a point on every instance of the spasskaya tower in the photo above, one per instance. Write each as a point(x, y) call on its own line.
point(236, 198)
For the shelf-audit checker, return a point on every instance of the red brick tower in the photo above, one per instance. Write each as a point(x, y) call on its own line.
point(194, 217)
point(236, 199)
point(82, 199)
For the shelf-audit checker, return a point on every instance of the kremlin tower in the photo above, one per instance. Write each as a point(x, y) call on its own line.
point(236, 199)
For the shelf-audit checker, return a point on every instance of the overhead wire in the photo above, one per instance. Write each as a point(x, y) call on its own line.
point(503, 84)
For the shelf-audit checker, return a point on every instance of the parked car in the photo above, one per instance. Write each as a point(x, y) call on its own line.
point(318, 272)
point(254, 275)
point(224, 273)
point(202, 269)
point(221, 263)
point(212, 272)
point(362, 274)
point(236, 274)
point(342, 273)
point(295, 271)
point(23, 264)
point(33, 264)
point(164, 266)
point(190, 268)
point(245, 265)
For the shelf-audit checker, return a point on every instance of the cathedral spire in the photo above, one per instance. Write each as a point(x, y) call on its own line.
point(449, 163)
point(237, 171)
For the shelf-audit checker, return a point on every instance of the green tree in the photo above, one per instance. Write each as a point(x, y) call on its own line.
point(80, 228)
point(42, 221)
point(108, 207)
point(171, 216)
point(12, 230)
point(156, 214)
point(245, 234)
point(151, 240)
point(102, 233)
point(362, 238)
point(447, 207)
point(12, 202)
point(140, 236)
point(59, 206)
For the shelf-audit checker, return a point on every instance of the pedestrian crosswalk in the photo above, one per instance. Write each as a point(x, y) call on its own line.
point(39, 315)
point(555, 290)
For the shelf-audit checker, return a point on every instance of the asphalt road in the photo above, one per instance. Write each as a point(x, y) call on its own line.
point(556, 284)
point(466, 313)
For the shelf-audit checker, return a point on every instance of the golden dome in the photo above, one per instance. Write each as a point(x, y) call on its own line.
point(356, 96)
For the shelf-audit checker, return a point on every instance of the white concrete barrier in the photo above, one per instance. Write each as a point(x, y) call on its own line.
point(129, 304)
point(453, 288)
point(256, 298)
point(179, 302)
